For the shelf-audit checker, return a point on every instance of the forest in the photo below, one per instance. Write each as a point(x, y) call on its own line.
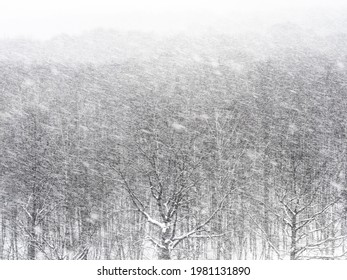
point(136, 146)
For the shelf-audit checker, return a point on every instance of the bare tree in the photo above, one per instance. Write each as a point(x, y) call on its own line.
point(162, 173)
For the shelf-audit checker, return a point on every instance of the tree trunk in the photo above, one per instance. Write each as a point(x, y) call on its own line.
point(293, 245)
point(164, 253)
point(31, 245)
point(31, 250)
point(32, 224)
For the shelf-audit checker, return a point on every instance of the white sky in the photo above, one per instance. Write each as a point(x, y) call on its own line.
point(45, 18)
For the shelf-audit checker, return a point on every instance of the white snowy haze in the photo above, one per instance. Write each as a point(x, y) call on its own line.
point(42, 19)
point(100, 31)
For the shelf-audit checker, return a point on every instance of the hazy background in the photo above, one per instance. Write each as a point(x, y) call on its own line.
point(41, 19)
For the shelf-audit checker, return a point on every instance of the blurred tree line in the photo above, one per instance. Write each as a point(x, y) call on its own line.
point(235, 157)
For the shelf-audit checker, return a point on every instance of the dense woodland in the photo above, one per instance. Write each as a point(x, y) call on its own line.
point(136, 146)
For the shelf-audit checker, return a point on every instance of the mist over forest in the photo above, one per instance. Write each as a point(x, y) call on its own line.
point(136, 145)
